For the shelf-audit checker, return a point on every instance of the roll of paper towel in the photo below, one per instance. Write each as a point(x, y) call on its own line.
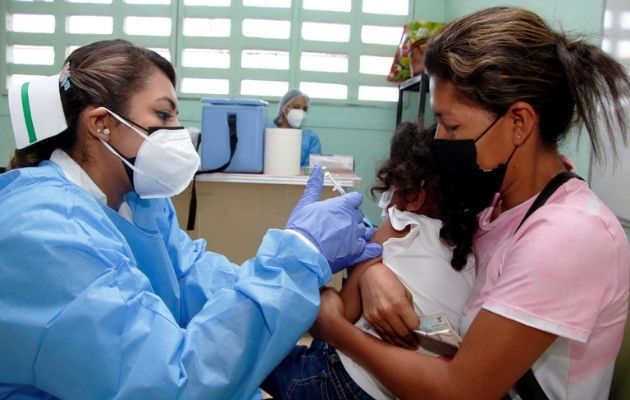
point(283, 148)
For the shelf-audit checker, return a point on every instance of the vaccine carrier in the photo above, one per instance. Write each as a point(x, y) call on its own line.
point(232, 135)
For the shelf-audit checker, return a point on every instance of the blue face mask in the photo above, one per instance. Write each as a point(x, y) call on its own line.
point(457, 164)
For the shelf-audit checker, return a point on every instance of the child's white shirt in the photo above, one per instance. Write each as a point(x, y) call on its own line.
point(422, 262)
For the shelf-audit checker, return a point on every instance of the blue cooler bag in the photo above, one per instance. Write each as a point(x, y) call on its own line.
point(232, 134)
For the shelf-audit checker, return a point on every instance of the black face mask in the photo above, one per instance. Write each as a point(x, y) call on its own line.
point(457, 164)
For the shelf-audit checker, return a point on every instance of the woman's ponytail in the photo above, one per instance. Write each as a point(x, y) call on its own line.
point(599, 85)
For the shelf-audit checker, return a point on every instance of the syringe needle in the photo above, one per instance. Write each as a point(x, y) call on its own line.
point(336, 186)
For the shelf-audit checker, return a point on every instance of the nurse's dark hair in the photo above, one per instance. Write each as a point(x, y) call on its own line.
point(410, 168)
point(498, 56)
point(105, 73)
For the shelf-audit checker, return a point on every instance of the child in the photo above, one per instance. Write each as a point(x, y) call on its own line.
point(425, 242)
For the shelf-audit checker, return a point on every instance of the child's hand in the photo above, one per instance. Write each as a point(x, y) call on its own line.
point(331, 312)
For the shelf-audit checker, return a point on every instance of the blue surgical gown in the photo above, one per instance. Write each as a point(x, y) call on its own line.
point(95, 307)
point(310, 145)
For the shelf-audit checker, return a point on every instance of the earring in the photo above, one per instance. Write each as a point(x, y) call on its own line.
point(106, 132)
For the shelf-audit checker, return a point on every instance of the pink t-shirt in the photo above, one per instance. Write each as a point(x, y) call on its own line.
point(565, 271)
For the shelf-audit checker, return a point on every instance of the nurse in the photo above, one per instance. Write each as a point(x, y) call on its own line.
point(102, 294)
point(292, 111)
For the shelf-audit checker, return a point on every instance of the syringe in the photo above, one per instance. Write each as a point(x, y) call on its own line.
point(336, 185)
point(338, 188)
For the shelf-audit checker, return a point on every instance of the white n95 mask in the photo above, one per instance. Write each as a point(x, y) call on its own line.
point(296, 117)
point(166, 162)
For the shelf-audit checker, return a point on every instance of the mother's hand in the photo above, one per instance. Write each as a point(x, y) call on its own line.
point(387, 305)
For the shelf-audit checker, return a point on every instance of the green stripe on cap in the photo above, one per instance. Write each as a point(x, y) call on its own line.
point(28, 118)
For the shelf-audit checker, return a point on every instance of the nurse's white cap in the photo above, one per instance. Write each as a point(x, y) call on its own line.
point(36, 111)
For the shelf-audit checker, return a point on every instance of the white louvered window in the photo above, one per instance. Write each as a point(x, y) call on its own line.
point(335, 50)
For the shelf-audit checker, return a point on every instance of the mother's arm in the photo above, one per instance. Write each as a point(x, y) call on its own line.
point(495, 353)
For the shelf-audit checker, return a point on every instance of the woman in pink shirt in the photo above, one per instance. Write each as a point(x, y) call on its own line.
point(551, 293)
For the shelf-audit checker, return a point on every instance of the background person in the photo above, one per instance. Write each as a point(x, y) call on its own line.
point(102, 294)
point(292, 111)
point(551, 295)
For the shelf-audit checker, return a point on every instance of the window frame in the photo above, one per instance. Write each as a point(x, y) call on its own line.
point(235, 43)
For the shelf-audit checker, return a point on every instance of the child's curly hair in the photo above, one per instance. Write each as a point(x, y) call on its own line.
point(409, 168)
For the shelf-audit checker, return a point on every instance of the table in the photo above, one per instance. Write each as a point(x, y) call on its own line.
point(235, 210)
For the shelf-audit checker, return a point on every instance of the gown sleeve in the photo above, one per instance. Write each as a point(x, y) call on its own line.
point(78, 320)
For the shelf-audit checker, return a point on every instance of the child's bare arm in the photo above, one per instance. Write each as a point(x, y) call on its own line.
point(350, 291)
point(384, 232)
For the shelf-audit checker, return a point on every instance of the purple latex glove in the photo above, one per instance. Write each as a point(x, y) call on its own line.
point(335, 226)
